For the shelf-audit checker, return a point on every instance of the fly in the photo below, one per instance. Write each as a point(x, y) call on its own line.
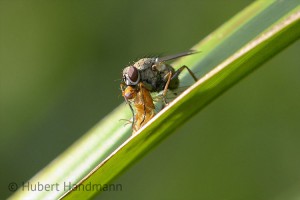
point(144, 109)
point(155, 74)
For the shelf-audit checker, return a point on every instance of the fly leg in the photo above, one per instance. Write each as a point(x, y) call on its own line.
point(176, 74)
point(128, 121)
point(170, 76)
point(143, 102)
point(122, 86)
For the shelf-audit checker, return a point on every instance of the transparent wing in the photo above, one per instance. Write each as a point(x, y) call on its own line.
point(171, 57)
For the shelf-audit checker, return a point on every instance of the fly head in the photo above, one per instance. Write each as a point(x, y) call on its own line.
point(131, 75)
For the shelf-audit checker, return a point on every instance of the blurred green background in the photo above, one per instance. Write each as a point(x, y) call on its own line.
point(60, 65)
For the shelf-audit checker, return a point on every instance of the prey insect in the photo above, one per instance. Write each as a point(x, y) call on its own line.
point(155, 73)
point(144, 109)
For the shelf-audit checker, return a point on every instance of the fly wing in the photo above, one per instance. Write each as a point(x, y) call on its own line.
point(171, 57)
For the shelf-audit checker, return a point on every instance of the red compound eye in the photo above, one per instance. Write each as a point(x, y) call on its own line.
point(131, 75)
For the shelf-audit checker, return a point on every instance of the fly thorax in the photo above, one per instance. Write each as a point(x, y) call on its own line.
point(149, 76)
point(162, 67)
point(144, 63)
